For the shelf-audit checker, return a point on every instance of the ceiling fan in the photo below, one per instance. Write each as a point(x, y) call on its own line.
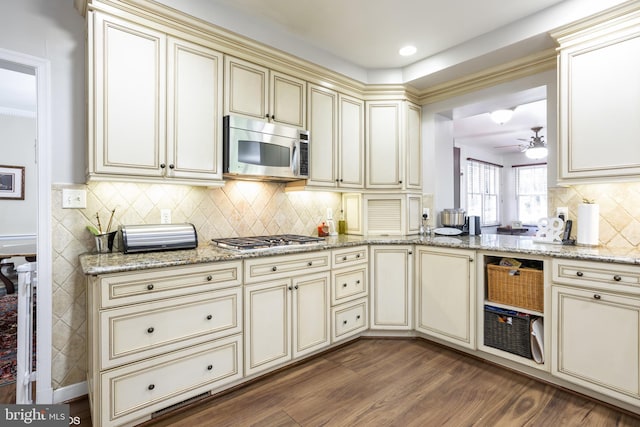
point(536, 148)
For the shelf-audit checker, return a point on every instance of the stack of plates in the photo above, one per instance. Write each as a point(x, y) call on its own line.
point(448, 231)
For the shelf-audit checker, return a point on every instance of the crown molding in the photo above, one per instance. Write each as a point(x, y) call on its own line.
point(522, 67)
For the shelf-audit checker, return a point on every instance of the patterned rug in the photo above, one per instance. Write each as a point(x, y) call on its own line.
point(8, 338)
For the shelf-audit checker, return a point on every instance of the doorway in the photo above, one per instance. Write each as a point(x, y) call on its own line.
point(25, 243)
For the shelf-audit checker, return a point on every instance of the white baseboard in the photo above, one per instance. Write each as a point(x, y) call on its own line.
point(63, 394)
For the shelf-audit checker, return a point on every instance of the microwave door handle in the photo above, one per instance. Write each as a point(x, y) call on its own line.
point(294, 159)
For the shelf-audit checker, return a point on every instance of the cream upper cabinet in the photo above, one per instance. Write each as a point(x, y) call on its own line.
point(336, 124)
point(445, 294)
point(259, 93)
point(154, 105)
point(393, 147)
point(391, 269)
point(599, 98)
point(590, 327)
point(127, 78)
point(351, 163)
point(194, 107)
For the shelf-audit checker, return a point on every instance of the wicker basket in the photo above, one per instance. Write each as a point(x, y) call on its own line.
point(519, 287)
point(508, 330)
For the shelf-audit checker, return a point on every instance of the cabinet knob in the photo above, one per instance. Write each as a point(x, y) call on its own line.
point(337, 180)
point(357, 255)
point(357, 282)
point(617, 278)
point(344, 285)
point(150, 330)
point(273, 117)
point(209, 317)
point(344, 322)
point(209, 367)
point(470, 259)
point(410, 252)
point(344, 258)
point(400, 181)
point(151, 386)
point(290, 288)
point(274, 268)
point(162, 166)
point(358, 316)
point(209, 278)
point(295, 287)
point(596, 296)
point(266, 116)
point(171, 166)
point(150, 287)
point(579, 273)
point(310, 264)
point(341, 180)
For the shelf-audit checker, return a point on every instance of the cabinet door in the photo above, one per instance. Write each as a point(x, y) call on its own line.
point(194, 106)
point(311, 310)
point(351, 142)
point(445, 294)
point(127, 127)
point(323, 126)
point(246, 88)
point(599, 108)
point(413, 152)
point(391, 287)
point(383, 143)
point(267, 325)
point(288, 100)
point(596, 336)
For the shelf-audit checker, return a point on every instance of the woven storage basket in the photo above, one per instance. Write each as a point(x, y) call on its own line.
point(508, 330)
point(519, 287)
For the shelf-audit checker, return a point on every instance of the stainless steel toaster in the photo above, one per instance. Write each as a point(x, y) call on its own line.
point(158, 237)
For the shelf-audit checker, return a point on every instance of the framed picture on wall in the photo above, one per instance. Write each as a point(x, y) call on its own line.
point(11, 182)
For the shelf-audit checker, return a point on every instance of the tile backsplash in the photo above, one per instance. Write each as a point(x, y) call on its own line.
point(240, 208)
point(619, 224)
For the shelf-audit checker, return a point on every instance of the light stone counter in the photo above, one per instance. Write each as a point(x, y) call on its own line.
point(94, 264)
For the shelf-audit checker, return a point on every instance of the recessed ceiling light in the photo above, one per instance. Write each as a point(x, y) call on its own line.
point(407, 50)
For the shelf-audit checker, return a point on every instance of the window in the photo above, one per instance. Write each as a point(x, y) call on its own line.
point(483, 191)
point(531, 192)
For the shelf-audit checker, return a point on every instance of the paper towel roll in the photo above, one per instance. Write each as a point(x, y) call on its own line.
point(588, 224)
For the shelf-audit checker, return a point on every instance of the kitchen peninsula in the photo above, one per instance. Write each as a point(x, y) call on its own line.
point(244, 314)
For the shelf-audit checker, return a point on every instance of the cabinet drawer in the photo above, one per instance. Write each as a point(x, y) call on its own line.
point(348, 284)
point(132, 333)
point(597, 274)
point(128, 288)
point(349, 319)
point(277, 267)
point(139, 389)
point(348, 256)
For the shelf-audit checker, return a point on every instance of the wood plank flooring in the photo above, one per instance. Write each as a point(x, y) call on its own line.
point(393, 382)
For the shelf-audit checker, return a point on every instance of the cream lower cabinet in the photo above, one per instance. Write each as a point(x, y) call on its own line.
point(391, 287)
point(445, 285)
point(161, 336)
point(349, 291)
point(155, 104)
point(596, 327)
point(286, 317)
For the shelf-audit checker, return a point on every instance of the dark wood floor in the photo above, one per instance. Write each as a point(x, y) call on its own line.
point(384, 382)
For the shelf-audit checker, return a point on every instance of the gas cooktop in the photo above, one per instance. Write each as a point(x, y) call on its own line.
point(265, 242)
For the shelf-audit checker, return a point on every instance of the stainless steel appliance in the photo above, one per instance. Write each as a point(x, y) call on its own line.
point(158, 237)
point(254, 149)
point(265, 242)
point(452, 217)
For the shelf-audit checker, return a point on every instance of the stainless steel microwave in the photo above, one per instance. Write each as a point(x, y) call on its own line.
point(254, 149)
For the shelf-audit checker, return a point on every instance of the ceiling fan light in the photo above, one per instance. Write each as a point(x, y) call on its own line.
point(501, 116)
point(537, 152)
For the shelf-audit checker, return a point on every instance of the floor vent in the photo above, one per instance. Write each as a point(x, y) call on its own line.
point(180, 404)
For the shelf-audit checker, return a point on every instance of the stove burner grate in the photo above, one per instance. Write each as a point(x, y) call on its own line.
point(261, 242)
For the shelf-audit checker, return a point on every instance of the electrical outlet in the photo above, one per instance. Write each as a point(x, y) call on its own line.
point(165, 216)
point(74, 199)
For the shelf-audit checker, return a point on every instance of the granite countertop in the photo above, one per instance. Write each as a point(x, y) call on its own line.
point(94, 263)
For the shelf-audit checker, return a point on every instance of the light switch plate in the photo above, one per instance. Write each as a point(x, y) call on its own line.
point(165, 216)
point(74, 199)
